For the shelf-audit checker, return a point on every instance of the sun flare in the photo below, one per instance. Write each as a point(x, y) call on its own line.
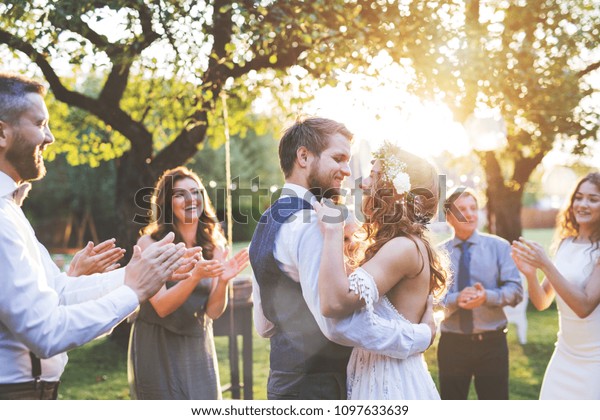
point(383, 113)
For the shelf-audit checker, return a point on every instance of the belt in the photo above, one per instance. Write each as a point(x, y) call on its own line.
point(482, 336)
point(30, 390)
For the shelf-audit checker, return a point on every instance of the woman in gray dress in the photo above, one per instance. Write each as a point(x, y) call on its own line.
point(171, 349)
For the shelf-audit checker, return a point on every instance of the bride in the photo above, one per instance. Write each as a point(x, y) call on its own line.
point(395, 275)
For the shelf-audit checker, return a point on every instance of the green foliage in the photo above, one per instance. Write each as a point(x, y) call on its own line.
point(66, 194)
point(83, 138)
point(163, 63)
point(531, 60)
point(70, 191)
point(149, 74)
point(254, 156)
point(535, 62)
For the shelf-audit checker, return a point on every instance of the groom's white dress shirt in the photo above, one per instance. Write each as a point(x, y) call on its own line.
point(297, 250)
point(43, 310)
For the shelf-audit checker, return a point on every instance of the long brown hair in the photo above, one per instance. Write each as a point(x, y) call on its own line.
point(407, 215)
point(209, 233)
point(566, 225)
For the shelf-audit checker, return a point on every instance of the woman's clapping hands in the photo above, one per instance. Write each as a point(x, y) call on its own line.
point(235, 265)
point(529, 256)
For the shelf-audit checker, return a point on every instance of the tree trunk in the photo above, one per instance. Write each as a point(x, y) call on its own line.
point(504, 202)
point(505, 197)
point(504, 212)
point(135, 181)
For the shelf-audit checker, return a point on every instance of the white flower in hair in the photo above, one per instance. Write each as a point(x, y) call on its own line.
point(394, 170)
point(401, 183)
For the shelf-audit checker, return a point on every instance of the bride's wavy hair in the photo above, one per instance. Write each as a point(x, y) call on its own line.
point(391, 215)
point(566, 224)
point(162, 220)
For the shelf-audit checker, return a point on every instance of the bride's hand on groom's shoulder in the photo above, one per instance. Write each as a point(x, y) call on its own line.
point(330, 215)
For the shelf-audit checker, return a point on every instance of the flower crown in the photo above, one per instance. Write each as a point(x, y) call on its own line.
point(393, 169)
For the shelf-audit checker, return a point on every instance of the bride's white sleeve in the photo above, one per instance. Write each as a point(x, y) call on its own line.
point(363, 284)
point(363, 328)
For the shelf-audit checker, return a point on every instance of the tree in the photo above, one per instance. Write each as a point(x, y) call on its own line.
point(73, 204)
point(164, 63)
point(156, 76)
point(532, 60)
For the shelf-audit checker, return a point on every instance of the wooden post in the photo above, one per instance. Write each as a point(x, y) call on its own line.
point(233, 348)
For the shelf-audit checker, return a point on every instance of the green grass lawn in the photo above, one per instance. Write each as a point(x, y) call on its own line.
point(98, 370)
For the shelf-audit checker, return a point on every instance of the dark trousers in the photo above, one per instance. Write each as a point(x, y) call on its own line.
point(33, 390)
point(483, 356)
point(306, 386)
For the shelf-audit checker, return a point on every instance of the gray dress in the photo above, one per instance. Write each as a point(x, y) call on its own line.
point(174, 357)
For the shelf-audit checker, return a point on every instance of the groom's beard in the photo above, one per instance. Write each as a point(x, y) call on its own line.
point(320, 185)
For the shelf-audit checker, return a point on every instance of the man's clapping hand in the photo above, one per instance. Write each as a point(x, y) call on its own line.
point(149, 270)
point(472, 297)
point(101, 258)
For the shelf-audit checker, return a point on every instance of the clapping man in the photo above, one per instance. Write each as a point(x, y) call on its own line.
point(44, 313)
point(473, 339)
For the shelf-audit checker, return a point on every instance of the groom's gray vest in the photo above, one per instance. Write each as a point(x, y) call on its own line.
point(304, 364)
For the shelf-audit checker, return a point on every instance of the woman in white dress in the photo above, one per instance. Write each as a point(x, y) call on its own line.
point(399, 264)
point(574, 277)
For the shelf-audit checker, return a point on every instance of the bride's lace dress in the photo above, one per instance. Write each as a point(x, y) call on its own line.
point(377, 377)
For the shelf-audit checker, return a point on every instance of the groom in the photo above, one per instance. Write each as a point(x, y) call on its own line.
point(309, 352)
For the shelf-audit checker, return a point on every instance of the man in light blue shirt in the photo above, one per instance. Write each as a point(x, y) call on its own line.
point(473, 339)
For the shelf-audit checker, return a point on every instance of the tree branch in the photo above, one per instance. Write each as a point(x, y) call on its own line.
point(524, 167)
point(121, 55)
point(284, 60)
point(184, 146)
point(123, 59)
point(113, 50)
point(56, 85)
point(589, 69)
point(116, 83)
point(186, 143)
point(221, 32)
point(146, 22)
point(140, 138)
point(58, 18)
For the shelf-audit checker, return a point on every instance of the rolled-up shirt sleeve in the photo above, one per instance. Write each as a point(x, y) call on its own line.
point(80, 289)
point(383, 336)
point(510, 288)
point(37, 314)
point(450, 303)
point(264, 327)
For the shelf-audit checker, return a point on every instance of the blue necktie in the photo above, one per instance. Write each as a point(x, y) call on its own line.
point(464, 274)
